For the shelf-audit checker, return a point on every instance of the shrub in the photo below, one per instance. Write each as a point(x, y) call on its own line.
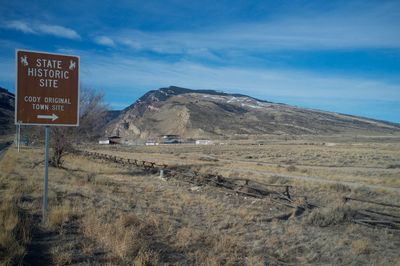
point(328, 216)
point(291, 168)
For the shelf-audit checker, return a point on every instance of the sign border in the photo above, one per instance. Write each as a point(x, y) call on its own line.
point(16, 90)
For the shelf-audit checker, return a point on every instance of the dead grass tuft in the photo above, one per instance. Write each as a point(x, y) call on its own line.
point(61, 257)
point(393, 166)
point(291, 168)
point(146, 258)
point(59, 215)
point(14, 233)
point(187, 238)
point(15, 225)
point(221, 250)
point(360, 246)
point(338, 187)
point(255, 261)
point(330, 216)
point(125, 236)
point(131, 220)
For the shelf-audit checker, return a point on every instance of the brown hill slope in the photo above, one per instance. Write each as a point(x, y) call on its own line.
point(6, 111)
point(204, 113)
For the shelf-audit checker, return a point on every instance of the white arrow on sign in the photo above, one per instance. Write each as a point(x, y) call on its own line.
point(52, 117)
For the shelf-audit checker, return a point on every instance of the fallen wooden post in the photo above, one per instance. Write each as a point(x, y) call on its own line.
point(287, 192)
point(373, 202)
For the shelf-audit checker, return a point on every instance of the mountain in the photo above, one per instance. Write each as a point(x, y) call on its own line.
point(111, 114)
point(7, 100)
point(211, 114)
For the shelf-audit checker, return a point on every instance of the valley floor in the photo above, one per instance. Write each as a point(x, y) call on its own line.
point(108, 213)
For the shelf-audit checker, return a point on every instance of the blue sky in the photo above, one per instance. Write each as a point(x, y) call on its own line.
point(341, 56)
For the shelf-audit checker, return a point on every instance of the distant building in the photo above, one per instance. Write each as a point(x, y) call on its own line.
point(204, 142)
point(104, 141)
point(110, 140)
point(171, 139)
point(190, 141)
point(151, 142)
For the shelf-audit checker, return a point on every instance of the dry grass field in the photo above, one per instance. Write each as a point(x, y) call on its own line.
point(108, 214)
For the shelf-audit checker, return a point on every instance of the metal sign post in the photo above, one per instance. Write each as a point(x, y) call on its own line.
point(19, 136)
point(47, 94)
point(16, 135)
point(46, 174)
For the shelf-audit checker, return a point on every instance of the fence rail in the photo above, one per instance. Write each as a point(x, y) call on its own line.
point(251, 188)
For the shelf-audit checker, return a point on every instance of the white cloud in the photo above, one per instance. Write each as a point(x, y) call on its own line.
point(19, 25)
point(343, 29)
point(67, 51)
point(58, 31)
point(34, 28)
point(104, 40)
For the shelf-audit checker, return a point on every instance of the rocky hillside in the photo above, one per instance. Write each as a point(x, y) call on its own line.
point(205, 113)
point(7, 100)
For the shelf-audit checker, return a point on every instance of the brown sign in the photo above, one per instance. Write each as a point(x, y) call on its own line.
point(47, 89)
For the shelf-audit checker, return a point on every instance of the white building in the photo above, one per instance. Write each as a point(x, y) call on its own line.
point(204, 142)
point(104, 141)
point(151, 143)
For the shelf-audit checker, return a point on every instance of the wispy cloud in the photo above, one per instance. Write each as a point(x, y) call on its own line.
point(58, 31)
point(349, 29)
point(104, 40)
point(20, 26)
point(34, 28)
